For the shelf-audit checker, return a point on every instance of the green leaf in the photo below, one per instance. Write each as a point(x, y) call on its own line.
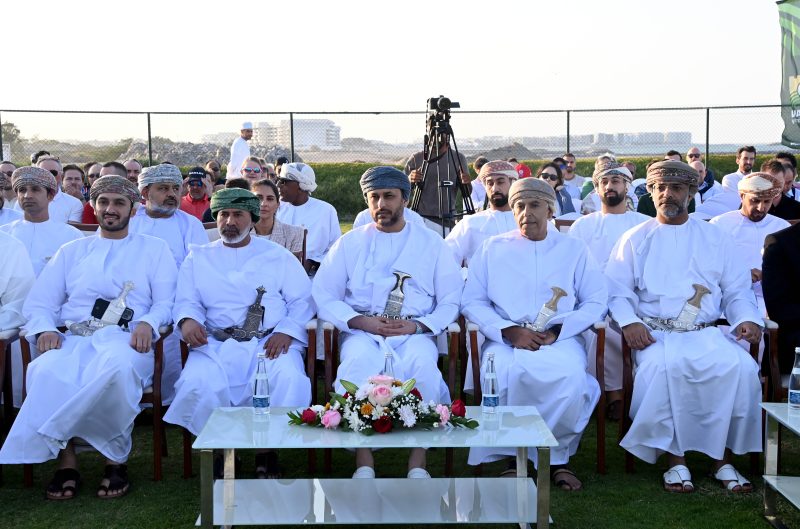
point(408, 385)
point(338, 398)
point(349, 387)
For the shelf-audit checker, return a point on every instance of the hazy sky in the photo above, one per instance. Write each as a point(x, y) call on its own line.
point(364, 56)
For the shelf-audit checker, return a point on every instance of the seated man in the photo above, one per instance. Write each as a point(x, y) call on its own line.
point(694, 389)
point(217, 286)
point(352, 288)
point(7, 211)
point(538, 361)
point(91, 386)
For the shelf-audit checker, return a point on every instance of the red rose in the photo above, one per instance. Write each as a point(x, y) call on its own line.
point(382, 425)
point(308, 416)
point(458, 409)
point(416, 393)
point(346, 394)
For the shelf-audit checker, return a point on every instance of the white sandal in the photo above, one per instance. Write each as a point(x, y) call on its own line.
point(418, 473)
point(678, 475)
point(364, 472)
point(734, 479)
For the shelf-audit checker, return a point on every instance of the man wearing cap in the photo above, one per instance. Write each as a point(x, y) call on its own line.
point(216, 322)
point(468, 235)
point(671, 278)
point(90, 387)
point(240, 150)
point(600, 231)
point(295, 184)
point(539, 361)
point(8, 197)
point(352, 288)
point(63, 207)
point(196, 201)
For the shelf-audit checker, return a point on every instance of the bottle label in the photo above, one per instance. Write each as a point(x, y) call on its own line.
point(491, 401)
point(794, 397)
point(261, 402)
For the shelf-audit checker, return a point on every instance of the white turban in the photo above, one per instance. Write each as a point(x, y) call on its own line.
point(301, 173)
point(498, 168)
point(160, 173)
point(762, 185)
point(247, 125)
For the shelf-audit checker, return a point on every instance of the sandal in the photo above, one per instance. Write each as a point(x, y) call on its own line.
point(731, 479)
point(678, 479)
point(511, 470)
point(117, 476)
point(568, 480)
point(267, 466)
point(57, 489)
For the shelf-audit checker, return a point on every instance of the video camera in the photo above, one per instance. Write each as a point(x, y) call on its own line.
point(441, 104)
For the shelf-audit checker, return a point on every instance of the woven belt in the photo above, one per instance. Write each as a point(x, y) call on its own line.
point(377, 315)
point(237, 333)
point(672, 325)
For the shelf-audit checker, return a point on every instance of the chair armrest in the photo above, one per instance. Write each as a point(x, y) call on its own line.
point(453, 328)
point(10, 335)
point(472, 327)
point(769, 324)
point(312, 325)
point(165, 330)
point(600, 325)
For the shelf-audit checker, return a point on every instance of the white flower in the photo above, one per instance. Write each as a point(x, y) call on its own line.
point(317, 408)
point(407, 416)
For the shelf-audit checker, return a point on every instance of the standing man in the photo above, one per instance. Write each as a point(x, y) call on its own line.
point(600, 231)
point(133, 168)
point(352, 288)
point(63, 207)
point(468, 235)
point(196, 201)
point(91, 385)
point(240, 150)
point(215, 321)
point(694, 389)
point(434, 202)
point(295, 184)
point(540, 362)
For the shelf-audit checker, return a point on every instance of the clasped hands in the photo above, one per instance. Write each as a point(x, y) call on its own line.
point(383, 326)
point(524, 338)
point(638, 336)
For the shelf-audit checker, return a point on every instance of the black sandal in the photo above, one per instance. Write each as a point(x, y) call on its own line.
point(267, 466)
point(56, 485)
point(117, 476)
point(562, 483)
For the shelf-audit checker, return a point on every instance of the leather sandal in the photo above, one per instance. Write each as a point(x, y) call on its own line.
point(561, 482)
point(117, 476)
point(57, 490)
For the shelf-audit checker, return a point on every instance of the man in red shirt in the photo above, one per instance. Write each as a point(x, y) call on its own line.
point(196, 201)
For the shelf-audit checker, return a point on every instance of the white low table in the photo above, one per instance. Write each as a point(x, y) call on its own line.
point(778, 414)
point(358, 501)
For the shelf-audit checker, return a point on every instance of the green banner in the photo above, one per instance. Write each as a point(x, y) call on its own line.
point(789, 17)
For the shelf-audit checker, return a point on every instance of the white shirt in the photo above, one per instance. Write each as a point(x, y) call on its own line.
point(715, 190)
point(179, 230)
point(41, 239)
point(471, 231)
point(478, 194)
point(240, 151)
point(730, 182)
point(321, 221)
point(8, 214)
point(720, 203)
point(16, 279)
point(574, 186)
point(364, 217)
point(63, 208)
point(601, 231)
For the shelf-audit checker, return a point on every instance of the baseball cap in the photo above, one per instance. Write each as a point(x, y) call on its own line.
point(523, 170)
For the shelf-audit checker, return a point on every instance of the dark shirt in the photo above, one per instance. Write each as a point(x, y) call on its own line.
point(207, 216)
point(787, 209)
point(646, 206)
point(428, 204)
point(781, 291)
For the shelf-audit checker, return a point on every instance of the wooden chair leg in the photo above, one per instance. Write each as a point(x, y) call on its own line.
point(601, 404)
point(27, 475)
point(627, 394)
point(6, 380)
point(187, 454)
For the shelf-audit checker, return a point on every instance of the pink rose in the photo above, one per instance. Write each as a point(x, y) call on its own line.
point(444, 413)
point(381, 380)
point(380, 395)
point(331, 419)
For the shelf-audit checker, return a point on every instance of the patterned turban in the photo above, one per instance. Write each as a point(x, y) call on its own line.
point(235, 198)
point(761, 185)
point(33, 176)
point(384, 177)
point(114, 184)
point(671, 171)
point(158, 174)
point(498, 168)
point(300, 173)
point(609, 168)
point(532, 188)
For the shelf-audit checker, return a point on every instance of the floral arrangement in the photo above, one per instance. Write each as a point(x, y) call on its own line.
point(381, 405)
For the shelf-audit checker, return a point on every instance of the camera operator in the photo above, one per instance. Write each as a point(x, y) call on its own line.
point(432, 193)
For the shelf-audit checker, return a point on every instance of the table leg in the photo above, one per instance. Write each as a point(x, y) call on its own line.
point(771, 451)
point(522, 486)
point(207, 489)
point(229, 482)
point(543, 488)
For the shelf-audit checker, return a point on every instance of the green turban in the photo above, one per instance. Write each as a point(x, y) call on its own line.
point(235, 198)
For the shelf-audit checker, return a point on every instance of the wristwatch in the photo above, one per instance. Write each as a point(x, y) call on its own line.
point(419, 330)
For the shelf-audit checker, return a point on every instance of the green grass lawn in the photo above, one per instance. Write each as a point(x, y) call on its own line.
point(614, 500)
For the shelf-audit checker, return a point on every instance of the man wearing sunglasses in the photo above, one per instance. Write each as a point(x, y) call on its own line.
point(195, 202)
point(240, 150)
point(709, 186)
point(63, 208)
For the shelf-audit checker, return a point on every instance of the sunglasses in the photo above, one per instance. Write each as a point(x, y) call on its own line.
point(7, 173)
point(249, 170)
point(553, 177)
point(693, 156)
point(213, 169)
point(54, 172)
point(195, 183)
point(93, 175)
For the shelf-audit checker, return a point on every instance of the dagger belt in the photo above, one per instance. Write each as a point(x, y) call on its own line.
point(673, 325)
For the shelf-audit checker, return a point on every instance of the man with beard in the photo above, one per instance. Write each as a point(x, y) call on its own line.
point(8, 198)
point(573, 182)
point(352, 287)
point(212, 321)
point(600, 231)
point(539, 362)
point(63, 207)
point(160, 217)
point(728, 199)
point(91, 385)
point(752, 224)
point(694, 389)
point(468, 235)
point(106, 169)
point(240, 150)
point(296, 183)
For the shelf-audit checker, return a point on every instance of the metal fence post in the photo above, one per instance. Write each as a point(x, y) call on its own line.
point(568, 142)
point(1, 140)
point(291, 134)
point(149, 142)
point(708, 128)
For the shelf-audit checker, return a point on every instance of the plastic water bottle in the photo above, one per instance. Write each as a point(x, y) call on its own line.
point(261, 388)
point(388, 364)
point(794, 382)
point(490, 397)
